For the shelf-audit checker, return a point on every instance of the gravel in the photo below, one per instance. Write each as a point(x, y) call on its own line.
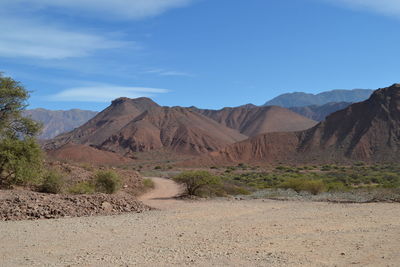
point(213, 232)
point(28, 205)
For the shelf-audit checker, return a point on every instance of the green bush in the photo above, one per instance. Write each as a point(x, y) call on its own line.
point(231, 189)
point(336, 187)
point(148, 183)
point(107, 182)
point(52, 183)
point(194, 181)
point(313, 186)
point(82, 188)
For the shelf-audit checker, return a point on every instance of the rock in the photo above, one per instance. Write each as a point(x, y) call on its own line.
point(106, 206)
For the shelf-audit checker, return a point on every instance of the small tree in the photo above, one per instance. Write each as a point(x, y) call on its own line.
point(195, 180)
point(20, 155)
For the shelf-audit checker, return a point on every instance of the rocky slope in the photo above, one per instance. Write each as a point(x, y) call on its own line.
point(56, 122)
point(251, 120)
point(367, 131)
point(300, 99)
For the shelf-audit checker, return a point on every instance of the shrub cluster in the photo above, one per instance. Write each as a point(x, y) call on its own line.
point(316, 180)
point(53, 182)
point(107, 182)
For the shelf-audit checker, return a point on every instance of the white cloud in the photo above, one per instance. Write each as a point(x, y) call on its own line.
point(33, 39)
point(104, 93)
point(386, 7)
point(120, 9)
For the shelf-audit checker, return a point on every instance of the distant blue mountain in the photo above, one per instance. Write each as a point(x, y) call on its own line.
point(319, 113)
point(300, 99)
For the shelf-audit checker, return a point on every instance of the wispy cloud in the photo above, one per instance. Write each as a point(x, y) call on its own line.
point(106, 9)
point(34, 39)
point(104, 93)
point(162, 72)
point(386, 7)
point(40, 37)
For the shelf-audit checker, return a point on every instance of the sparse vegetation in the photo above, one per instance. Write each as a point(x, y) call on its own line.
point(314, 187)
point(82, 188)
point(148, 183)
point(107, 182)
point(53, 183)
point(314, 179)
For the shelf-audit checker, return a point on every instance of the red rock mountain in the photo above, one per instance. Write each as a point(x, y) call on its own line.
point(138, 125)
point(251, 120)
point(366, 131)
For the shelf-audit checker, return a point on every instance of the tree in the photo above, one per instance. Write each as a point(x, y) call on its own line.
point(195, 180)
point(20, 155)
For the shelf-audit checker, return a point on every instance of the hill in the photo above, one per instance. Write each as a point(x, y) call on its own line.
point(300, 99)
point(56, 122)
point(319, 113)
point(140, 125)
point(366, 131)
point(251, 120)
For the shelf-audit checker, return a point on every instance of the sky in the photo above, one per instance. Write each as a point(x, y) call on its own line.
point(204, 53)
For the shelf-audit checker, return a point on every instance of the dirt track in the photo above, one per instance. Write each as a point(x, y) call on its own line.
point(162, 196)
point(217, 232)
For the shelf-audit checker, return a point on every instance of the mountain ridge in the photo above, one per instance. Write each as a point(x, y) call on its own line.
point(301, 99)
point(56, 122)
point(365, 131)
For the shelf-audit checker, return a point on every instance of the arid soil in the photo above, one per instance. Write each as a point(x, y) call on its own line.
point(162, 196)
point(215, 232)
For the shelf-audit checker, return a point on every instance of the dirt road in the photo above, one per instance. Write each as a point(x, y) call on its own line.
point(162, 196)
point(215, 232)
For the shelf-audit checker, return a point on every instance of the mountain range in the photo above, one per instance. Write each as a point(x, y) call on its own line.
point(319, 113)
point(300, 99)
point(59, 121)
point(129, 126)
point(366, 131)
point(56, 122)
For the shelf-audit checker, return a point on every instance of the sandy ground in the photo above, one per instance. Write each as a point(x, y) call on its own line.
point(161, 197)
point(215, 232)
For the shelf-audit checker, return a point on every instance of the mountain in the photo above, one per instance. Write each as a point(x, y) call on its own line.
point(366, 131)
point(140, 125)
point(251, 120)
point(299, 99)
point(56, 122)
point(319, 113)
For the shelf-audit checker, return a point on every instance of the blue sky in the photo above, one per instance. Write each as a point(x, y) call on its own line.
point(206, 53)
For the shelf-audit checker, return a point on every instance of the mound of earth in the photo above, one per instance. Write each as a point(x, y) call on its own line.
point(87, 154)
point(365, 131)
point(251, 120)
point(27, 205)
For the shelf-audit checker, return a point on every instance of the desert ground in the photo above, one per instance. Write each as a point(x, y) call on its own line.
point(217, 232)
